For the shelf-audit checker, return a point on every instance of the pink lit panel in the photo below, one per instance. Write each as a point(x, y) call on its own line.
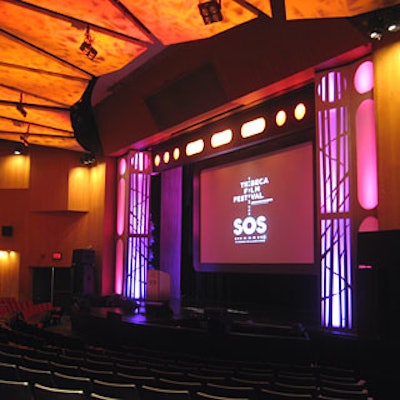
point(364, 77)
point(122, 166)
point(367, 179)
point(121, 207)
point(369, 224)
point(119, 266)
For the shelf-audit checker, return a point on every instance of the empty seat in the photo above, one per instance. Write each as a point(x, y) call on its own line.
point(42, 392)
point(35, 363)
point(166, 373)
point(207, 377)
point(11, 358)
point(99, 365)
point(102, 375)
point(190, 385)
point(132, 369)
point(355, 394)
point(138, 380)
point(14, 390)
point(65, 368)
point(9, 372)
point(32, 375)
point(154, 393)
point(124, 391)
point(63, 381)
point(298, 388)
point(229, 390)
point(95, 396)
point(269, 394)
point(209, 396)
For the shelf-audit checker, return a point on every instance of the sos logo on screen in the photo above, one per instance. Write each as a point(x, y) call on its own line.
point(250, 229)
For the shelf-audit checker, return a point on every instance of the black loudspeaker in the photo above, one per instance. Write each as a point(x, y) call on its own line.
point(83, 261)
point(84, 279)
point(84, 123)
point(378, 295)
point(7, 230)
point(83, 257)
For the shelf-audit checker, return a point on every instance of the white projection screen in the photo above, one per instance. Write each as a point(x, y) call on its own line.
point(258, 212)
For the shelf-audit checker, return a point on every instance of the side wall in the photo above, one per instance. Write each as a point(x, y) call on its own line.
point(60, 207)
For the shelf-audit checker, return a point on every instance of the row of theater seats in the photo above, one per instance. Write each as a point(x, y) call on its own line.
point(69, 370)
point(36, 314)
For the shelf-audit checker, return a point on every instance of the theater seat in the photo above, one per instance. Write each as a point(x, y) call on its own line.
point(42, 392)
point(15, 390)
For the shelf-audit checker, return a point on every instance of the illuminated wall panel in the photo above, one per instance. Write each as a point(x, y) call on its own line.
point(347, 182)
point(133, 217)
point(9, 273)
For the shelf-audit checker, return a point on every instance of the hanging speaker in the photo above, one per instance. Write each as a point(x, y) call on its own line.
point(84, 123)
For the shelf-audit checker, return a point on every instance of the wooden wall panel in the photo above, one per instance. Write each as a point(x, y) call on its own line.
point(9, 274)
point(14, 172)
point(387, 98)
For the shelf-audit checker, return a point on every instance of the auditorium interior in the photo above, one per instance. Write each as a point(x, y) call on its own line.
point(200, 197)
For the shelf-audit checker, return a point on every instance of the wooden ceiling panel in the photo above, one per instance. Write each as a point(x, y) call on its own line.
point(40, 44)
point(176, 21)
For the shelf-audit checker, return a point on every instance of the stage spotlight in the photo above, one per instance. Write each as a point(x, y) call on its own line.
point(210, 11)
point(20, 107)
point(86, 46)
point(22, 110)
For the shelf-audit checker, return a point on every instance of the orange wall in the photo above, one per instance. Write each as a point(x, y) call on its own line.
point(56, 212)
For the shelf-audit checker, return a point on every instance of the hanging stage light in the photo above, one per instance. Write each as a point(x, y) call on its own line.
point(20, 107)
point(86, 46)
point(210, 11)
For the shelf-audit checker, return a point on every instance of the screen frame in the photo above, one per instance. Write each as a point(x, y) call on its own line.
point(267, 148)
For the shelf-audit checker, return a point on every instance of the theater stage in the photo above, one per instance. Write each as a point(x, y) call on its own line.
point(209, 332)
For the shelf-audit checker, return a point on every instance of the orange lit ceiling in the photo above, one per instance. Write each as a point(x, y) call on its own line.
point(43, 72)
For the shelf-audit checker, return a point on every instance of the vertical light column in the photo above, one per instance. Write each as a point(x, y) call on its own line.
point(334, 189)
point(121, 231)
point(347, 181)
point(138, 225)
point(132, 225)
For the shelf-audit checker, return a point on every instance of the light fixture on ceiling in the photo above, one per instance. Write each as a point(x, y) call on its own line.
point(20, 106)
point(376, 33)
point(88, 159)
point(210, 11)
point(86, 46)
point(384, 21)
point(19, 149)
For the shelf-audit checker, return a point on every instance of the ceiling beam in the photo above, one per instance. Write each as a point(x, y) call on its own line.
point(78, 22)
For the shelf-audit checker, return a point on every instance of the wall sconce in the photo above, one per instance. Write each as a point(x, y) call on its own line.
point(210, 11)
point(86, 46)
